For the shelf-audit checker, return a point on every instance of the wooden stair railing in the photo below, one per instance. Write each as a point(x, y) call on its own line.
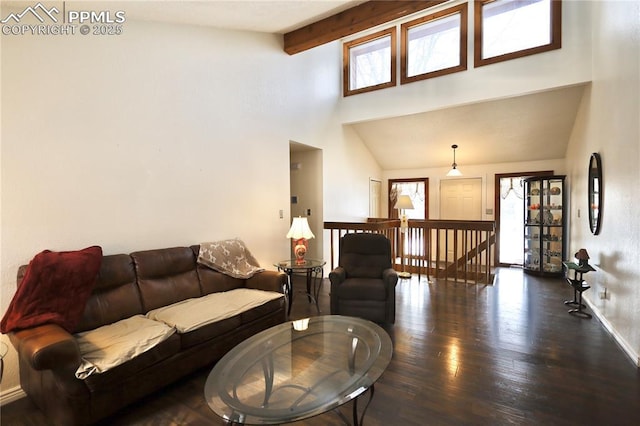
point(443, 249)
point(473, 253)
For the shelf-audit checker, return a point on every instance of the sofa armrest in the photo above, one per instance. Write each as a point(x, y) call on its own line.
point(268, 281)
point(46, 347)
point(338, 275)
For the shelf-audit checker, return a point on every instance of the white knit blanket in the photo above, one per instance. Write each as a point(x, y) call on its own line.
point(230, 257)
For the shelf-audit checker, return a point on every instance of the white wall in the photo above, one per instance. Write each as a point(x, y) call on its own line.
point(165, 135)
point(608, 123)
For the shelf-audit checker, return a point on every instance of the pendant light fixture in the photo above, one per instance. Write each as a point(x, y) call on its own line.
point(454, 167)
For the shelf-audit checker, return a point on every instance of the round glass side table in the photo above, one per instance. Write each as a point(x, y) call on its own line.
point(314, 271)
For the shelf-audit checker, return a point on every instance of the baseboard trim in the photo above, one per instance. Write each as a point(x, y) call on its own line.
point(11, 395)
point(617, 337)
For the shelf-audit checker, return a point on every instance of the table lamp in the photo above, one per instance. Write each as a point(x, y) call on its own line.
point(583, 257)
point(300, 233)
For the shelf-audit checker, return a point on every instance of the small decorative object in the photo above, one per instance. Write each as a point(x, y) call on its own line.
point(535, 191)
point(583, 257)
point(555, 190)
point(545, 217)
point(300, 233)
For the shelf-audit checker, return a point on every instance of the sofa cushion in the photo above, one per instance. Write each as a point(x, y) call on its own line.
point(191, 314)
point(115, 294)
point(166, 276)
point(114, 344)
point(211, 331)
point(213, 281)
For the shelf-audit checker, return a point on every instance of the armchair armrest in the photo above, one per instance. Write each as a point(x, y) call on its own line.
point(390, 279)
point(390, 276)
point(268, 281)
point(46, 347)
point(338, 275)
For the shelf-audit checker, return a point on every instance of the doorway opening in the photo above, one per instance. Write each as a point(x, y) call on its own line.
point(510, 214)
point(305, 189)
point(511, 225)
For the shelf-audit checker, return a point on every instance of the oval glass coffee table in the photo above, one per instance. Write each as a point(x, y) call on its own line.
point(299, 369)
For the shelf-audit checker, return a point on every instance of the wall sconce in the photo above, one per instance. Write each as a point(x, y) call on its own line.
point(300, 233)
point(454, 167)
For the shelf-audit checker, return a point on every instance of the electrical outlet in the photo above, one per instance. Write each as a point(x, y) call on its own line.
point(281, 213)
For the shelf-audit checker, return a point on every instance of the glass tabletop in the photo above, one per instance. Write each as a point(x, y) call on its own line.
point(298, 369)
point(308, 264)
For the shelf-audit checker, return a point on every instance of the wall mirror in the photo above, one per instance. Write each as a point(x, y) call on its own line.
point(595, 193)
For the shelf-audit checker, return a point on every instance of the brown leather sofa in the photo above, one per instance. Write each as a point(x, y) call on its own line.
point(128, 285)
point(364, 283)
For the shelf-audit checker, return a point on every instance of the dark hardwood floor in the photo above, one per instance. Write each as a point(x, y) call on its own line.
point(464, 354)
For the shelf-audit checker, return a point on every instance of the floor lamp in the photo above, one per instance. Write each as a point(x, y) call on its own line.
point(403, 203)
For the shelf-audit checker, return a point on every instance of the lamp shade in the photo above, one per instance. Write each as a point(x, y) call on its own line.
point(582, 254)
point(404, 202)
point(454, 171)
point(300, 229)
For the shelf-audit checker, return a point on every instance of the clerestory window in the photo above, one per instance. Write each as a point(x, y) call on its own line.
point(369, 62)
point(434, 45)
point(509, 29)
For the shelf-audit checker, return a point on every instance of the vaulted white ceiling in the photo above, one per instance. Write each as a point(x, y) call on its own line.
point(524, 128)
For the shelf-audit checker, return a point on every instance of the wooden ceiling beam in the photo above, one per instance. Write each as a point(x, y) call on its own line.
point(351, 21)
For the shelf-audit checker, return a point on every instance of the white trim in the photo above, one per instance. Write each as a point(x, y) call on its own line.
point(11, 395)
point(631, 353)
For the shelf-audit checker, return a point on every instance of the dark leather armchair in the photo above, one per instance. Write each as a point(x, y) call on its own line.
point(364, 283)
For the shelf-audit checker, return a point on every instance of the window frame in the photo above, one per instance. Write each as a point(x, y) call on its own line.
point(461, 9)
point(555, 43)
point(346, 65)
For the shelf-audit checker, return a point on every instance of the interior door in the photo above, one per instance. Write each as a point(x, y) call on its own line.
point(375, 191)
point(460, 199)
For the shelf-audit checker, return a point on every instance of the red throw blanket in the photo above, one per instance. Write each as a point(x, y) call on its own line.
point(54, 290)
